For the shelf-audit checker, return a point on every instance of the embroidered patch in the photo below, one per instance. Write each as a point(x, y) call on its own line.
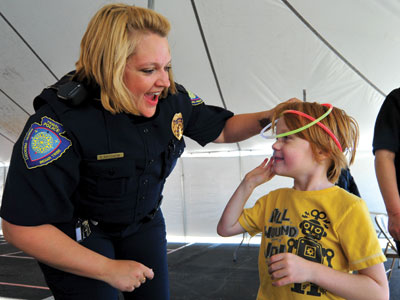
point(196, 100)
point(177, 125)
point(43, 143)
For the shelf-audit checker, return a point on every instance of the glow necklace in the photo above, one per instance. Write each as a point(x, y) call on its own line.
point(314, 121)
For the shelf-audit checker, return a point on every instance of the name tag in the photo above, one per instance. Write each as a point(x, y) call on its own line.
point(110, 156)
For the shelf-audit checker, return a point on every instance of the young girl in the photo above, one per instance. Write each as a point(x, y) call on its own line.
point(315, 233)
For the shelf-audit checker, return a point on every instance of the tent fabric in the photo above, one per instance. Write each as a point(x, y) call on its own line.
point(245, 55)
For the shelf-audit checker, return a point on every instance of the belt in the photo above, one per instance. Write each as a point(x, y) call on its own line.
point(117, 227)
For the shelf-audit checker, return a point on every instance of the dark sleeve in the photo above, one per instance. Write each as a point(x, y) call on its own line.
point(347, 182)
point(206, 121)
point(353, 187)
point(387, 125)
point(38, 190)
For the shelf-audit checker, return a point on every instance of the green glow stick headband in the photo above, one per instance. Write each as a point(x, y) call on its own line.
point(314, 121)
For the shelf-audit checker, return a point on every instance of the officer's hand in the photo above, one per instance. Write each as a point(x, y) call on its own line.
point(126, 275)
point(293, 100)
point(279, 106)
point(286, 268)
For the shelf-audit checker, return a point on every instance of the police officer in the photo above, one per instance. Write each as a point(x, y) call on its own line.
point(85, 181)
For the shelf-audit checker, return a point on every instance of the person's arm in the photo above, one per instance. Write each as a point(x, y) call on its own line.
point(243, 126)
point(228, 224)
point(368, 284)
point(386, 174)
point(51, 246)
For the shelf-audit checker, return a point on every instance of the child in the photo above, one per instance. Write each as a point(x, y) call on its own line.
point(315, 233)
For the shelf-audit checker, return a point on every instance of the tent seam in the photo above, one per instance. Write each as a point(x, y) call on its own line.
point(338, 54)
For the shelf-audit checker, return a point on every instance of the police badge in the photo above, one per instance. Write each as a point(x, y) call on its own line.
point(177, 125)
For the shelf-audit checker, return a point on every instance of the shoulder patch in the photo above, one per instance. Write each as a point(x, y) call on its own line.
point(43, 143)
point(196, 100)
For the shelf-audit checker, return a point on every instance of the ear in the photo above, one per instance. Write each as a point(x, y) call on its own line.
point(322, 155)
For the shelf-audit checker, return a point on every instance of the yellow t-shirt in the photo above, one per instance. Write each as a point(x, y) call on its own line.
point(330, 226)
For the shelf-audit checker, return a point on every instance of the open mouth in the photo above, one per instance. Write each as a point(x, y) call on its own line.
point(152, 98)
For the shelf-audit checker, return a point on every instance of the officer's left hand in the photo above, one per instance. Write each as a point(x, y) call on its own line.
point(286, 268)
point(291, 100)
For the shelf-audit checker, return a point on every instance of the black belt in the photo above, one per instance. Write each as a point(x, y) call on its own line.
point(117, 226)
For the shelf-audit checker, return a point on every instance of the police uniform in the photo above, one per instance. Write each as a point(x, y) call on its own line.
point(99, 178)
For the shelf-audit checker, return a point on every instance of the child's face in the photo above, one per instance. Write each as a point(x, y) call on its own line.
point(293, 156)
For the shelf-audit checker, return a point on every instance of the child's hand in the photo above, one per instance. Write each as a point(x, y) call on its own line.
point(263, 173)
point(286, 268)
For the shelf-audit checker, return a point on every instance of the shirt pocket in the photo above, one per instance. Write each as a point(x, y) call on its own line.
point(109, 178)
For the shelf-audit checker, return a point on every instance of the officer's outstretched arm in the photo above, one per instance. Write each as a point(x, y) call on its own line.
point(51, 246)
point(243, 126)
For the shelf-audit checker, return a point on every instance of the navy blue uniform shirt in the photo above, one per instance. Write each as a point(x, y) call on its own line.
point(86, 162)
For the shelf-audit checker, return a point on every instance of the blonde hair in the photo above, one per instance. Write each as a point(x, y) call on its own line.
point(110, 38)
point(344, 127)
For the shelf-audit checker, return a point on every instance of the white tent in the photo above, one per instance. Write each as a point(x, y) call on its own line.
point(245, 55)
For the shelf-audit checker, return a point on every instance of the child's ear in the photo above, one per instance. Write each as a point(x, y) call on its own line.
point(322, 155)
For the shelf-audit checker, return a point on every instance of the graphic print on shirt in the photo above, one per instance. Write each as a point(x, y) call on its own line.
point(44, 143)
point(307, 245)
